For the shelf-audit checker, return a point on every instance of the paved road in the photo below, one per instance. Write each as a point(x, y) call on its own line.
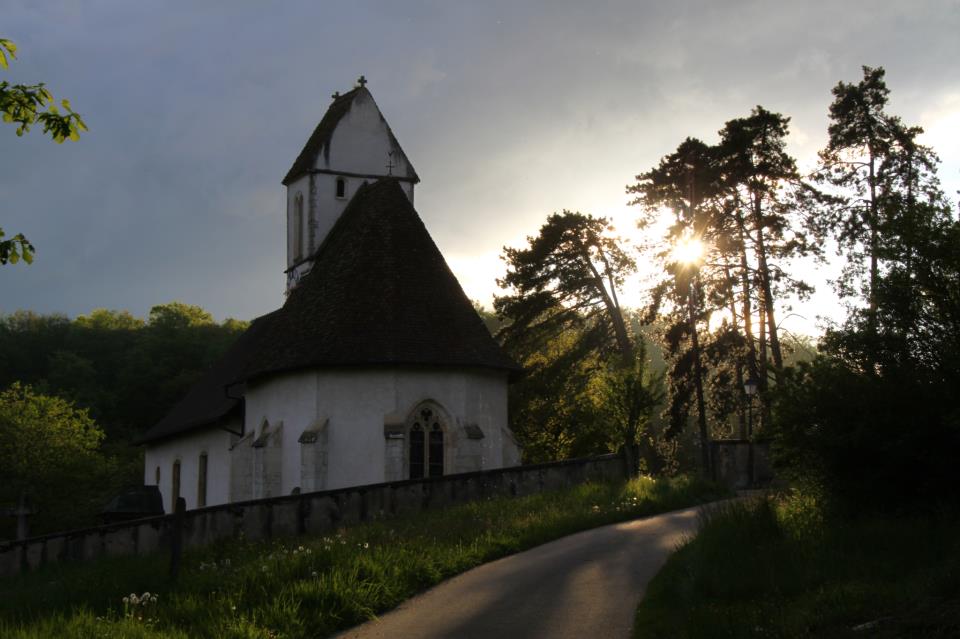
point(579, 587)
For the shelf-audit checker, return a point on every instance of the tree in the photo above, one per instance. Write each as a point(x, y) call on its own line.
point(26, 105)
point(871, 158)
point(871, 420)
point(49, 451)
point(563, 317)
point(567, 278)
point(760, 174)
point(631, 392)
point(177, 315)
point(737, 205)
point(684, 183)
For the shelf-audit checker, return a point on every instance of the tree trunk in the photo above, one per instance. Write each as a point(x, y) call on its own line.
point(698, 380)
point(766, 290)
point(741, 418)
point(612, 306)
point(747, 310)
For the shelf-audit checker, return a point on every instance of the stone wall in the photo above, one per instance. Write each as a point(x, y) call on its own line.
point(308, 513)
point(731, 463)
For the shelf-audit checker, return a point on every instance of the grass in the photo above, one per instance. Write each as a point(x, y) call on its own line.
point(309, 586)
point(780, 568)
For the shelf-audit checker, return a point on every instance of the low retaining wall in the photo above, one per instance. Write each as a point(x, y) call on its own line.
point(308, 513)
point(731, 459)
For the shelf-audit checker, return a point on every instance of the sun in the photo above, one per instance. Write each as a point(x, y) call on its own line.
point(687, 251)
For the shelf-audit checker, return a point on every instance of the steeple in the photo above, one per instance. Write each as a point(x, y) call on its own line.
point(351, 145)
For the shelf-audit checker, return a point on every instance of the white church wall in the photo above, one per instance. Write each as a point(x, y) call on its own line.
point(357, 403)
point(187, 449)
point(361, 143)
point(268, 461)
point(241, 467)
point(292, 400)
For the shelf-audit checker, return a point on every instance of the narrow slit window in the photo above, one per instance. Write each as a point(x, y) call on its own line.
point(175, 490)
point(202, 481)
point(341, 188)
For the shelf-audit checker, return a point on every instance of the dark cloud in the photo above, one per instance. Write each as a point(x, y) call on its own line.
point(508, 110)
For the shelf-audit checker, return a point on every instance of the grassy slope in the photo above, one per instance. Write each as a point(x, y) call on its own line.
point(779, 569)
point(311, 587)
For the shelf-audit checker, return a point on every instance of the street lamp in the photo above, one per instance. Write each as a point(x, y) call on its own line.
point(750, 387)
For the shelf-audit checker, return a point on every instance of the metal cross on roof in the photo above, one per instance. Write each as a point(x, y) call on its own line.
point(362, 81)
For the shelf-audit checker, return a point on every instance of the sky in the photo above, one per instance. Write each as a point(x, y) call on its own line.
point(508, 110)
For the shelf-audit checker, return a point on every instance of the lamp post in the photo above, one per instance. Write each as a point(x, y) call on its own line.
point(750, 388)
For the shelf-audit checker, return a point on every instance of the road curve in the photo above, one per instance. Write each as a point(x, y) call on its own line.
point(581, 586)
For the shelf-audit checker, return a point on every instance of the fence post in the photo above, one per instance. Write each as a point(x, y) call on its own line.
point(176, 537)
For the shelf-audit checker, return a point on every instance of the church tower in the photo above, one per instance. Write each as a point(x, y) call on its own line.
point(353, 144)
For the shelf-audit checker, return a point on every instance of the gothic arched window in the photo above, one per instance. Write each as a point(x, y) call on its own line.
point(426, 442)
point(416, 451)
point(341, 188)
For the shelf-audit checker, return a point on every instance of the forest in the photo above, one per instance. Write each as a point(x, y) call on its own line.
point(864, 407)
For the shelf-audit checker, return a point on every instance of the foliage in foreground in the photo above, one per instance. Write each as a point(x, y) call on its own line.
point(46, 445)
point(26, 105)
point(783, 569)
point(312, 587)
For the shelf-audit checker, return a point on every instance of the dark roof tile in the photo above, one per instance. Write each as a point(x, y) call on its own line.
point(379, 293)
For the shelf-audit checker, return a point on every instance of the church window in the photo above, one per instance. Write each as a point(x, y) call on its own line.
point(175, 490)
point(426, 443)
point(436, 451)
point(341, 188)
point(202, 481)
point(298, 226)
point(156, 476)
point(416, 452)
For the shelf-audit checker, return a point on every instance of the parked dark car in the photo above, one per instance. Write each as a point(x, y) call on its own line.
point(133, 503)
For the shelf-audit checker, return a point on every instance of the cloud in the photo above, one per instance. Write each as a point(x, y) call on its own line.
point(508, 110)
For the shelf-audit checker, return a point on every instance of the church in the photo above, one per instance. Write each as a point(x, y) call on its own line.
point(376, 368)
